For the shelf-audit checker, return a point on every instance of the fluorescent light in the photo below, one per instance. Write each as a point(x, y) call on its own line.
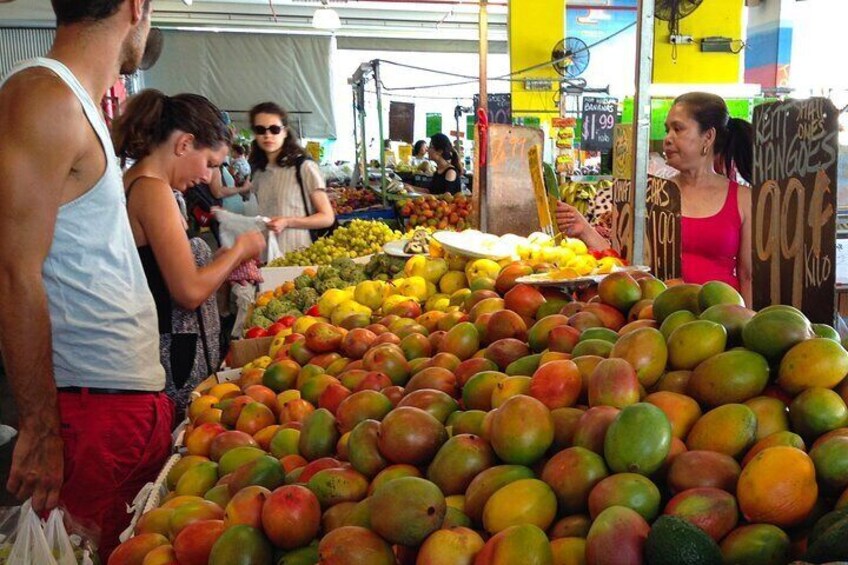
point(326, 18)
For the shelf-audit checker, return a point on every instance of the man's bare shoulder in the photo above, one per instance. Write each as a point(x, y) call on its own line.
point(36, 97)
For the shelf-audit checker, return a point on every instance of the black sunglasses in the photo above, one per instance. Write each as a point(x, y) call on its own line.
point(274, 130)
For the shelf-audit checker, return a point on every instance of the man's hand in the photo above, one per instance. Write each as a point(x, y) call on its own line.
point(37, 468)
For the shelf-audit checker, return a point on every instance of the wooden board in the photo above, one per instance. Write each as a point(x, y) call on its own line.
point(663, 228)
point(794, 206)
point(623, 217)
point(509, 204)
point(401, 121)
point(543, 209)
point(598, 123)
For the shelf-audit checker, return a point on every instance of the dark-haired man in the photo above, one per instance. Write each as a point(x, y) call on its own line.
point(78, 327)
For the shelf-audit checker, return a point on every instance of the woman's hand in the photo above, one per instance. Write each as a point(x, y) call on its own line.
point(277, 225)
point(570, 221)
point(250, 244)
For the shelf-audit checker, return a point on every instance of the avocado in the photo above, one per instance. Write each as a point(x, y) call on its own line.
point(824, 523)
point(831, 544)
point(674, 541)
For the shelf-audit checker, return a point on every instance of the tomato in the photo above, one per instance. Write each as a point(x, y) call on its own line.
point(255, 332)
point(312, 311)
point(275, 328)
point(287, 321)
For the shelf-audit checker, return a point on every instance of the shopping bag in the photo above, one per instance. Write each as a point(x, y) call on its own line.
point(30, 544)
point(273, 249)
point(58, 539)
point(233, 225)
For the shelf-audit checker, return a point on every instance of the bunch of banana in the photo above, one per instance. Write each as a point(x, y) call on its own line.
point(581, 195)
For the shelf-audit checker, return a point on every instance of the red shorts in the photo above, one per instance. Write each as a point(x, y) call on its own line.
point(114, 445)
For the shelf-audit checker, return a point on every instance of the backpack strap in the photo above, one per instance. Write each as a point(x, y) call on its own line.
point(298, 162)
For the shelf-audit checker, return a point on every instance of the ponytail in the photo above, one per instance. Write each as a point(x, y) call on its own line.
point(738, 148)
point(454, 161)
point(440, 142)
point(734, 142)
point(151, 116)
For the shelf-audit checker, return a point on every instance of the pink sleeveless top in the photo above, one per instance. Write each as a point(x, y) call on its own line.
point(710, 245)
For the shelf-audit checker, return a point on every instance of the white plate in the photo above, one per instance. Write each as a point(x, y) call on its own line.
point(395, 248)
point(474, 244)
point(542, 279)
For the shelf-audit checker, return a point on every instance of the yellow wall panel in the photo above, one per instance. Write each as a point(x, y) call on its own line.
point(712, 18)
point(535, 26)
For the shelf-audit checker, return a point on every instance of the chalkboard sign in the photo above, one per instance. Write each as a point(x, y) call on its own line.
point(401, 121)
point(434, 124)
point(663, 228)
point(500, 108)
point(794, 206)
point(598, 123)
point(509, 204)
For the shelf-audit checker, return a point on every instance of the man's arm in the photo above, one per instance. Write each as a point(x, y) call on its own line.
point(36, 157)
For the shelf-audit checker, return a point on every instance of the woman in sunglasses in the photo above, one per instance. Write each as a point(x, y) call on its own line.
point(289, 187)
point(176, 142)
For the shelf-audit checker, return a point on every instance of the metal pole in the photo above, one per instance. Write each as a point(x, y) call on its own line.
point(379, 89)
point(357, 161)
point(642, 123)
point(363, 148)
point(478, 194)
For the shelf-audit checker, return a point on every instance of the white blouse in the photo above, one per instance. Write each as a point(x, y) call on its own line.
point(278, 194)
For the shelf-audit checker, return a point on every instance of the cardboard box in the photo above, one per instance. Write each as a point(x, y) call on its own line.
point(243, 351)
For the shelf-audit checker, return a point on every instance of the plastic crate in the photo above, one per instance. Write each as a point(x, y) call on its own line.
point(372, 214)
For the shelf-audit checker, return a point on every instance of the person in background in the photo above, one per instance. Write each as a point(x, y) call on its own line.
point(77, 320)
point(711, 151)
point(239, 166)
point(447, 176)
point(177, 142)
point(289, 187)
point(419, 151)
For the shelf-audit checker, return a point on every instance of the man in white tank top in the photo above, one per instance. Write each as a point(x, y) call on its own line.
point(78, 328)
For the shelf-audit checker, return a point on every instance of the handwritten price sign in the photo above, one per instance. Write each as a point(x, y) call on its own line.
point(598, 123)
point(794, 206)
point(663, 228)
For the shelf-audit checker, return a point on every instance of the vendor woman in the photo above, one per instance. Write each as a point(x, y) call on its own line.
point(711, 151)
point(446, 179)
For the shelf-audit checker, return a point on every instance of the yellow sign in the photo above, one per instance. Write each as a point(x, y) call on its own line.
point(405, 152)
point(541, 195)
point(622, 151)
point(313, 148)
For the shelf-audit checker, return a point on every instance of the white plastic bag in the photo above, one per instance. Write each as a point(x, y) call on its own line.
point(58, 540)
point(273, 249)
point(30, 546)
point(233, 225)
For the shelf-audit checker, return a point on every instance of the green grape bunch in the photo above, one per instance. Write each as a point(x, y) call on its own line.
point(356, 239)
